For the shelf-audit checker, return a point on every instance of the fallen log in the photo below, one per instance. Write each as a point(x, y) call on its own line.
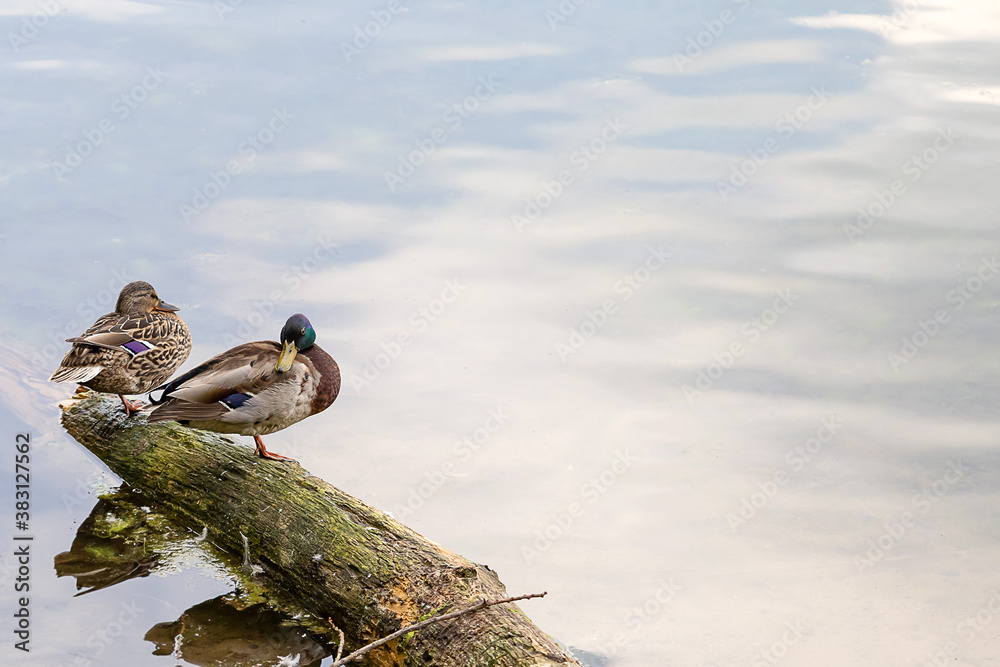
point(335, 556)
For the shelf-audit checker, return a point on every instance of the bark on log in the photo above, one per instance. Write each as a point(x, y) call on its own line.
point(336, 556)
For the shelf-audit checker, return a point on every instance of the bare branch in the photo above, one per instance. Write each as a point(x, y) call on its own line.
point(482, 604)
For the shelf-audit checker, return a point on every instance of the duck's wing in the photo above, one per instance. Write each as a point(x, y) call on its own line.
point(135, 333)
point(131, 335)
point(221, 384)
point(85, 360)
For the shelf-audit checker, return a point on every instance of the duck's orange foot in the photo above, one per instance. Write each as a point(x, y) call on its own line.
point(264, 454)
point(130, 407)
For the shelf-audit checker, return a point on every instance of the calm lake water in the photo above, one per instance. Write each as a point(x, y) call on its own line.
point(682, 312)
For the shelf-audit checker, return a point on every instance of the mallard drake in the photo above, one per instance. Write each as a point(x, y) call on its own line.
point(131, 350)
point(255, 388)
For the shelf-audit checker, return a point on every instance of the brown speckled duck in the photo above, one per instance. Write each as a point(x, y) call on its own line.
point(131, 350)
point(255, 388)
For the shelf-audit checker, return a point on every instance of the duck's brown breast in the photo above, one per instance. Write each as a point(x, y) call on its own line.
point(329, 378)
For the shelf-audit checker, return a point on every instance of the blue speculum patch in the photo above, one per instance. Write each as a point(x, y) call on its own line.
point(236, 400)
point(136, 346)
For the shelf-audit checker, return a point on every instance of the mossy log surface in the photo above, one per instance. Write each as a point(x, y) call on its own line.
point(337, 557)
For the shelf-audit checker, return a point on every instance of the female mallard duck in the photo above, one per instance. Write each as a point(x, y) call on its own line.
point(131, 350)
point(255, 388)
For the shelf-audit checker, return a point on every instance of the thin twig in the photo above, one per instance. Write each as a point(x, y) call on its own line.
point(177, 655)
point(482, 604)
point(340, 649)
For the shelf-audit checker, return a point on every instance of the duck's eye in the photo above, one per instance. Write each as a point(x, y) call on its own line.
point(302, 332)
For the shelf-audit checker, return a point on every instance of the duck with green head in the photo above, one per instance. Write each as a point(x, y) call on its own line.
point(255, 388)
point(131, 350)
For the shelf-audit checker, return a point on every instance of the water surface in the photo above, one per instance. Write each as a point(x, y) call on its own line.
point(684, 313)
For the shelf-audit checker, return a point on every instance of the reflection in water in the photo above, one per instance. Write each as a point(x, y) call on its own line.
point(124, 538)
point(111, 545)
point(221, 633)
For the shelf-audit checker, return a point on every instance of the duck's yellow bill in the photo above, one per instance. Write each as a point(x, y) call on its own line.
point(288, 352)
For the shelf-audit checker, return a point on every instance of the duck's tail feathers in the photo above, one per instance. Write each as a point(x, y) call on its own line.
point(177, 410)
point(78, 374)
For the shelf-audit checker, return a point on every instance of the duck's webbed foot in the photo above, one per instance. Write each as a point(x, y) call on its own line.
point(130, 407)
point(264, 454)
